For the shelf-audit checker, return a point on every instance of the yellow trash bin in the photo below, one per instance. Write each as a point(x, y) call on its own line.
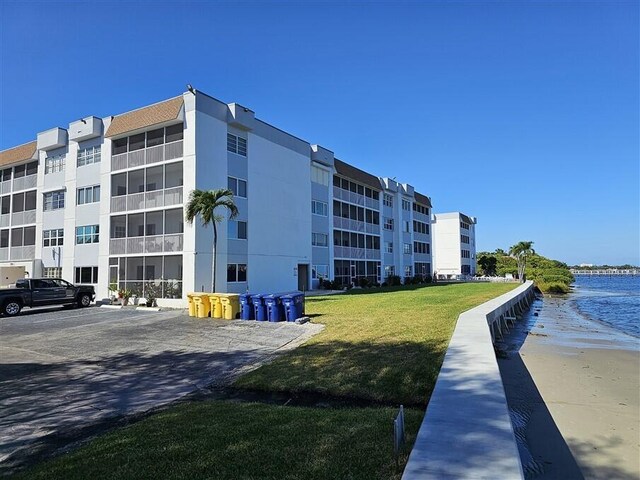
point(203, 307)
point(192, 305)
point(230, 305)
point(216, 306)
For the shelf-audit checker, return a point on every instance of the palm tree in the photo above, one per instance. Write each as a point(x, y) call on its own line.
point(204, 203)
point(520, 251)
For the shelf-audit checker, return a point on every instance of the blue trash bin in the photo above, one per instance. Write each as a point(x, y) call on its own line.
point(260, 311)
point(293, 306)
point(275, 310)
point(246, 307)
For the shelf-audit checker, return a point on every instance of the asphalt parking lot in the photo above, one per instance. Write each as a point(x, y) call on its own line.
point(66, 369)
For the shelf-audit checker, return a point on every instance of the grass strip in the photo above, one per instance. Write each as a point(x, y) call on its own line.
point(385, 345)
point(225, 440)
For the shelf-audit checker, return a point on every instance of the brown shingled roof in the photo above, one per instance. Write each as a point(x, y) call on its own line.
point(21, 153)
point(356, 174)
point(145, 117)
point(422, 199)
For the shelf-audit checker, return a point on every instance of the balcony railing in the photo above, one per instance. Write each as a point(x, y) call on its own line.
point(5, 187)
point(23, 253)
point(151, 244)
point(24, 183)
point(357, 253)
point(355, 225)
point(23, 218)
point(146, 156)
point(4, 219)
point(145, 200)
point(355, 198)
point(4, 254)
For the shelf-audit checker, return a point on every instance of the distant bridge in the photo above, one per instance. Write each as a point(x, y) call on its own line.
point(607, 271)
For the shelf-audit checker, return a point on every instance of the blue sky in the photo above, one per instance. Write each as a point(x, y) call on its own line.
point(524, 114)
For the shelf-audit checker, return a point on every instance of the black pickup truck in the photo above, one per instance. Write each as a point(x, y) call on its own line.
point(36, 292)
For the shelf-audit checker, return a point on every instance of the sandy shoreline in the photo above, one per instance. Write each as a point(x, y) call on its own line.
point(573, 386)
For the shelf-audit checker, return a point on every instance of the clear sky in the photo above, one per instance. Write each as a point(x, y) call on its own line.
point(524, 114)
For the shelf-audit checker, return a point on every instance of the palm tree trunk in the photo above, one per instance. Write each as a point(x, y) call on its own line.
point(215, 252)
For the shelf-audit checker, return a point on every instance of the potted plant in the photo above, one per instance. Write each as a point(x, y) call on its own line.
point(124, 295)
point(113, 290)
point(152, 292)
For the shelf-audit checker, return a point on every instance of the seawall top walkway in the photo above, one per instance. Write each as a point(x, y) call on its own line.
point(467, 431)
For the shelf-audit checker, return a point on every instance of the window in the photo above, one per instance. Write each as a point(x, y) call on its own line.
point(87, 156)
point(407, 271)
point(319, 175)
point(406, 204)
point(6, 204)
point(236, 272)
point(6, 175)
point(319, 239)
point(407, 226)
point(388, 223)
point(464, 238)
point(23, 236)
point(54, 200)
point(24, 201)
point(388, 247)
point(237, 230)
point(464, 226)
point(86, 274)
point(420, 227)
point(237, 186)
point(421, 268)
point(319, 208)
point(53, 238)
point(421, 247)
point(52, 272)
point(420, 209)
point(320, 271)
point(406, 248)
point(54, 164)
point(466, 254)
point(387, 200)
point(88, 195)
point(87, 234)
point(4, 238)
point(389, 270)
point(236, 144)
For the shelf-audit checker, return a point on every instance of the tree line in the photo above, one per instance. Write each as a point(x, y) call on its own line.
point(522, 261)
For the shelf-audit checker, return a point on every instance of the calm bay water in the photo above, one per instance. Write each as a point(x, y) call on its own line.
point(613, 300)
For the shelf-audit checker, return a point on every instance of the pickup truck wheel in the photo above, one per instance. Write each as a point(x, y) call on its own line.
point(11, 308)
point(84, 300)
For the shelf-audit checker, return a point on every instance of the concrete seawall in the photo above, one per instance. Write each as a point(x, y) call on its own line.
point(467, 431)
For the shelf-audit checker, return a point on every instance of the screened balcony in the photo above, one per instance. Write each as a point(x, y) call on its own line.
point(21, 177)
point(157, 276)
point(148, 147)
point(146, 188)
point(149, 232)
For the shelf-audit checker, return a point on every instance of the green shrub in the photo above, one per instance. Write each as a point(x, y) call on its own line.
point(553, 287)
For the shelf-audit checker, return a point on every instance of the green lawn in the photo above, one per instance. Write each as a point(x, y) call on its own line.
point(385, 345)
point(382, 345)
point(223, 440)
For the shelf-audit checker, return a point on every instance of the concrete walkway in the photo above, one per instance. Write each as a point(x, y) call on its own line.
point(66, 369)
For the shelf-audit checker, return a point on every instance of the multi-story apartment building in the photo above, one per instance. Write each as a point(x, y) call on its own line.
point(454, 243)
point(102, 202)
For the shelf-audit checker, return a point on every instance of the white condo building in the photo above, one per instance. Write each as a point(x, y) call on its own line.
point(454, 243)
point(102, 202)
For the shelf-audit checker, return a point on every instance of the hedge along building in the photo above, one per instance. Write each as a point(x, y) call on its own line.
point(102, 202)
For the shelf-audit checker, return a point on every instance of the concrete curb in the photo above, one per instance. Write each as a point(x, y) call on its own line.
point(467, 430)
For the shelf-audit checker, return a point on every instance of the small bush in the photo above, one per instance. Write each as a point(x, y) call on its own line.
point(553, 287)
point(394, 281)
point(363, 282)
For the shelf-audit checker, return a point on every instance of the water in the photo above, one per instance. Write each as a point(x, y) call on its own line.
point(613, 300)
